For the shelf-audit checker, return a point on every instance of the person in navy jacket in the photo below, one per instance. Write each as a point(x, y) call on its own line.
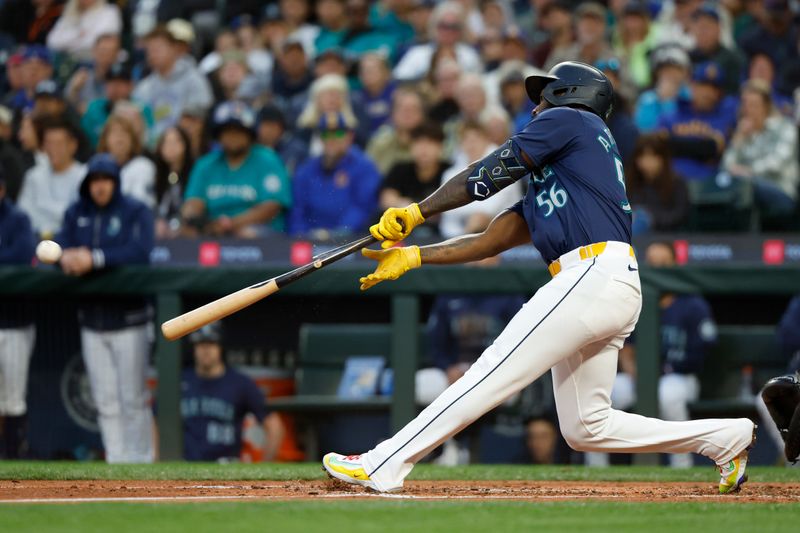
point(104, 229)
point(17, 330)
point(337, 191)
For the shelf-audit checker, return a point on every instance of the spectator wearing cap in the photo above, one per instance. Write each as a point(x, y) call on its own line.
point(344, 180)
point(590, 44)
point(215, 400)
point(296, 14)
point(374, 97)
point(174, 162)
point(172, 85)
point(29, 22)
point(118, 87)
point(88, 82)
point(391, 144)
point(36, 67)
point(182, 33)
point(81, 23)
point(671, 67)
point(699, 128)
point(238, 190)
point(763, 151)
point(415, 180)
point(137, 172)
point(633, 39)
point(17, 328)
point(417, 29)
point(272, 132)
point(619, 120)
point(448, 22)
point(329, 94)
point(104, 229)
point(708, 47)
point(291, 79)
point(52, 185)
point(48, 101)
point(12, 160)
point(556, 21)
point(774, 31)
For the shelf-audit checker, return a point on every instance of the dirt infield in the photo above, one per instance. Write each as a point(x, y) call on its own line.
point(14, 491)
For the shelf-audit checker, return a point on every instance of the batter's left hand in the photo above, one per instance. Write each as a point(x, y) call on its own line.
point(392, 264)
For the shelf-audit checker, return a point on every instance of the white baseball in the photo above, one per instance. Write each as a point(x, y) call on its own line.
point(48, 252)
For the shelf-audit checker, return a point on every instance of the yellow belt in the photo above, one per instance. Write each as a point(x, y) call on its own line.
point(585, 252)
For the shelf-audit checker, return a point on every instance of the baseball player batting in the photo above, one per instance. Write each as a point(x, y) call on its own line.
point(577, 215)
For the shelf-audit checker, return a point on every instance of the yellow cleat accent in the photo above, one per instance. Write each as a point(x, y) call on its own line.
point(347, 468)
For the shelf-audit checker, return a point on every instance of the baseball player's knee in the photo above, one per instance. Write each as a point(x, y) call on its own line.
point(583, 431)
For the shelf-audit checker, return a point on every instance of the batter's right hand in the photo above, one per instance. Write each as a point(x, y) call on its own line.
point(391, 264)
point(396, 224)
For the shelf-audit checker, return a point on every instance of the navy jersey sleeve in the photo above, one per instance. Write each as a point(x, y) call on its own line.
point(789, 329)
point(549, 134)
point(254, 399)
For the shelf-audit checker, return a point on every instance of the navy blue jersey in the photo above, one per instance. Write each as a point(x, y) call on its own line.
point(213, 411)
point(687, 332)
point(789, 334)
point(462, 327)
point(576, 195)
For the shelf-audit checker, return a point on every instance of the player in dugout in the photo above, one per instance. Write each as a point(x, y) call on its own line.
point(577, 214)
point(214, 402)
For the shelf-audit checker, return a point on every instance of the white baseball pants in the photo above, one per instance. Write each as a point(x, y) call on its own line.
point(16, 348)
point(116, 362)
point(675, 393)
point(574, 325)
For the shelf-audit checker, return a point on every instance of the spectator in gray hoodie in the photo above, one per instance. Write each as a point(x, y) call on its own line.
point(174, 84)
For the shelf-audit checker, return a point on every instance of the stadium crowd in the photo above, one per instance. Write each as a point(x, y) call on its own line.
point(311, 117)
point(242, 118)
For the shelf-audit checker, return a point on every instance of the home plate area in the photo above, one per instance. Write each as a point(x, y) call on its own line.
point(50, 491)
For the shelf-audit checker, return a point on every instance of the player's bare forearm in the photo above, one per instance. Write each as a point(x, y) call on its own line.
point(506, 231)
point(449, 196)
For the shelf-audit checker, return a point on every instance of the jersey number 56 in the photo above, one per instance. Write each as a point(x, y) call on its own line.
point(552, 199)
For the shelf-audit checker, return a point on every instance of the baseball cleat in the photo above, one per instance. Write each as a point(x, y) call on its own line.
point(732, 474)
point(347, 468)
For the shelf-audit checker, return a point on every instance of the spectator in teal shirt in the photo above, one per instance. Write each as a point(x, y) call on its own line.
point(118, 88)
point(240, 189)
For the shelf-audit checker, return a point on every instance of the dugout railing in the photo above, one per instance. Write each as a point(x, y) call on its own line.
point(168, 286)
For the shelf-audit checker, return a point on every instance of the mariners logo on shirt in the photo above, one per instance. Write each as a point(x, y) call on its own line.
point(272, 184)
point(114, 225)
point(341, 180)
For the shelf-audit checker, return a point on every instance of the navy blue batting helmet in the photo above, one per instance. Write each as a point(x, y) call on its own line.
point(573, 84)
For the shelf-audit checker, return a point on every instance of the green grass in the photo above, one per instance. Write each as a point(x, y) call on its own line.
point(288, 471)
point(388, 516)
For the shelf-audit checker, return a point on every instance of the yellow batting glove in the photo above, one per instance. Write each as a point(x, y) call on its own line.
point(392, 264)
point(396, 224)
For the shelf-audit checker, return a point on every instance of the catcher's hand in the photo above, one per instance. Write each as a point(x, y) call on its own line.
point(396, 224)
point(392, 264)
